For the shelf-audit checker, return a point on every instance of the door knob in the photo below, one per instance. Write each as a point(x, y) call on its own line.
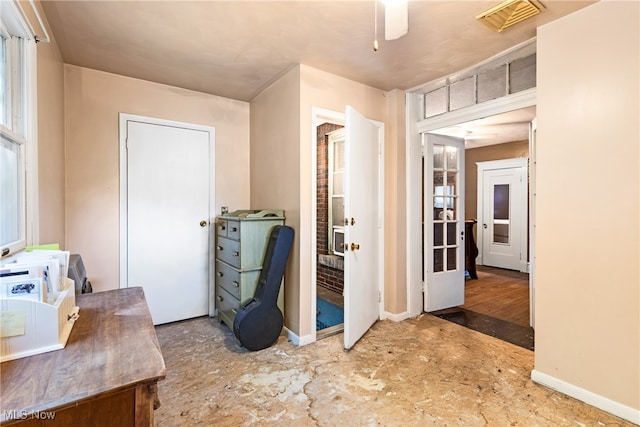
point(203, 223)
point(355, 246)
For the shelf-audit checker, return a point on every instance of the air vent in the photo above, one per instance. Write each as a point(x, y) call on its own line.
point(510, 12)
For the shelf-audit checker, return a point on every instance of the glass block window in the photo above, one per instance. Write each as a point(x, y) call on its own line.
point(482, 86)
point(522, 74)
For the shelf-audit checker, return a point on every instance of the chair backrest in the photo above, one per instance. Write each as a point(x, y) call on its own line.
point(77, 272)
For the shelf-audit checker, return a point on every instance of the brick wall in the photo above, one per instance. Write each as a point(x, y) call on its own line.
point(330, 278)
point(327, 277)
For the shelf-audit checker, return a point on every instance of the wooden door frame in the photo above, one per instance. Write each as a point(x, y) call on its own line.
point(122, 137)
point(416, 125)
point(521, 162)
point(318, 117)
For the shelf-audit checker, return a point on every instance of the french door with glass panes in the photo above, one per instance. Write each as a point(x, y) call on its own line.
point(443, 217)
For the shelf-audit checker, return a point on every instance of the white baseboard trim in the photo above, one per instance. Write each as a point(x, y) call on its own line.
point(297, 340)
point(397, 317)
point(588, 397)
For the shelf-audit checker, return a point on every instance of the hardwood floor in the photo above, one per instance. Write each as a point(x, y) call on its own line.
point(503, 294)
point(496, 304)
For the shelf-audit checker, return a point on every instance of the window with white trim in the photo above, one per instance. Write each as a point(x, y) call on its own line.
point(336, 192)
point(17, 136)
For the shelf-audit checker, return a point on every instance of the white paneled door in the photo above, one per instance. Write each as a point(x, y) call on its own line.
point(363, 238)
point(168, 193)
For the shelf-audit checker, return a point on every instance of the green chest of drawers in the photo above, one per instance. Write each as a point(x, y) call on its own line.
point(240, 247)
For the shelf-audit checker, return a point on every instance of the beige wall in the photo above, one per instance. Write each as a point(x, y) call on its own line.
point(281, 147)
point(510, 150)
point(51, 161)
point(587, 222)
point(275, 170)
point(328, 91)
point(395, 283)
point(93, 100)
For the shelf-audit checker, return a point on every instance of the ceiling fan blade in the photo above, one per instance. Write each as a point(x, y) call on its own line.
point(396, 19)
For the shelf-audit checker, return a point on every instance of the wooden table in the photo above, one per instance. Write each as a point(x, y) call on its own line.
point(105, 376)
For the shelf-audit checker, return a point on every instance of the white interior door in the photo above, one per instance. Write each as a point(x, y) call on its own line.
point(168, 216)
point(504, 215)
point(362, 263)
point(443, 222)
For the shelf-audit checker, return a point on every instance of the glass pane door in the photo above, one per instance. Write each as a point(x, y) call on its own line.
point(446, 218)
point(444, 222)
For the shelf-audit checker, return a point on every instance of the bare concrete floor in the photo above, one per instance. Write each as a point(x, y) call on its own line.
point(420, 372)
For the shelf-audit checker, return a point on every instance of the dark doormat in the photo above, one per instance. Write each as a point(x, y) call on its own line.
point(328, 314)
point(515, 334)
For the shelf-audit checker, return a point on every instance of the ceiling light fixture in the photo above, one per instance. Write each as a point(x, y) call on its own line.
point(375, 25)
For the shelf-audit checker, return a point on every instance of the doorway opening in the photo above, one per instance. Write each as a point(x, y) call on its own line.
point(359, 227)
point(502, 195)
point(496, 300)
point(329, 229)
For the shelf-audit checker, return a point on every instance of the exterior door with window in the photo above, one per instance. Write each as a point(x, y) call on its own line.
point(443, 222)
point(503, 213)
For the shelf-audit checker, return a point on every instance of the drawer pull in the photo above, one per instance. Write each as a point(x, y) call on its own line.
point(222, 227)
point(220, 298)
point(220, 273)
point(236, 253)
point(236, 284)
point(234, 229)
point(234, 311)
point(220, 248)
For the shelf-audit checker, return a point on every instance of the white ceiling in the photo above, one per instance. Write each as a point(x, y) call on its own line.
point(237, 48)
